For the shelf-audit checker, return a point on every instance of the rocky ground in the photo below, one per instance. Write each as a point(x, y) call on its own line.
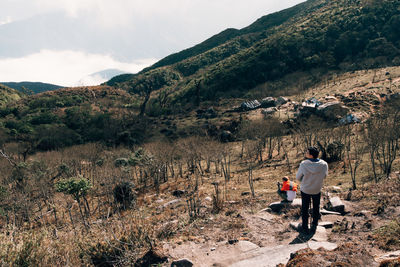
point(270, 238)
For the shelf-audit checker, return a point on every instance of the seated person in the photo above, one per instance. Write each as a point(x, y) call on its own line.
point(288, 189)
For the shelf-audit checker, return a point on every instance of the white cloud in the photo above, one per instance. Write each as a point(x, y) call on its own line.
point(117, 13)
point(64, 68)
point(5, 20)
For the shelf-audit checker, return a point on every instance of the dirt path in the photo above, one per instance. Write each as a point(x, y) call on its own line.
point(270, 241)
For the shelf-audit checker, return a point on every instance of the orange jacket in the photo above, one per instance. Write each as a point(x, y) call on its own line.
point(289, 186)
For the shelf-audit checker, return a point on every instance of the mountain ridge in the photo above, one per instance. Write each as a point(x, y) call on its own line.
point(35, 87)
point(317, 36)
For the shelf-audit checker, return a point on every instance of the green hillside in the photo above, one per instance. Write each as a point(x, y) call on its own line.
point(8, 95)
point(315, 36)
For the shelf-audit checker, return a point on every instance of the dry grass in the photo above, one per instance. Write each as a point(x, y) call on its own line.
point(346, 255)
point(388, 235)
point(113, 234)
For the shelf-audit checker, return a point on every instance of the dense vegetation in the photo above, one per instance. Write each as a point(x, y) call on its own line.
point(64, 118)
point(314, 36)
point(8, 95)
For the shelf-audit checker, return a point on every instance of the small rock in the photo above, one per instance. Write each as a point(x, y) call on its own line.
point(208, 199)
point(171, 203)
point(336, 189)
point(229, 213)
point(232, 241)
point(330, 98)
point(182, 263)
point(327, 212)
point(212, 249)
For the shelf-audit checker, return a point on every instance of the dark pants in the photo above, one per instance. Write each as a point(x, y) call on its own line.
point(282, 194)
point(305, 204)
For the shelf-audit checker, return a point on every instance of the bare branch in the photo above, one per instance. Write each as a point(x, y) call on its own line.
point(4, 155)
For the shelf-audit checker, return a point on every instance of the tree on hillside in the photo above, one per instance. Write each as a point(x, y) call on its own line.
point(267, 133)
point(78, 188)
point(144, 85)
point(383, 138)
point(354, 148)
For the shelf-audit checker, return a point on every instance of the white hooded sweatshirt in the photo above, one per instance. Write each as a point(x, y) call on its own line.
point(311, 174)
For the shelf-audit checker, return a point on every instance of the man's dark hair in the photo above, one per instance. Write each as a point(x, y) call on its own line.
point(314, 152)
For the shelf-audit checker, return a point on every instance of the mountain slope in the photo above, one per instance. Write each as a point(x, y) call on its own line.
point(8, 95)
point(320, 35)
point(261, 24)
point(35, 87)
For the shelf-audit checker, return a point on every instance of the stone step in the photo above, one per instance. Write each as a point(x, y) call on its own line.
point(273, 256)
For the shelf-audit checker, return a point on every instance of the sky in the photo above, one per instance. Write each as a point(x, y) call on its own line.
point(65, 41)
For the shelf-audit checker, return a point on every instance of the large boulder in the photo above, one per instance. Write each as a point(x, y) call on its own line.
point(281, 101)
point(335, 204)
point(312, 102)
point(332, 110)
point(268, 102)
point(250, 105)
point(307, 109)
point(278, 206)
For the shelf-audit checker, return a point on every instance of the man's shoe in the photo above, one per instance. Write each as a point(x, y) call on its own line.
point(303, 230)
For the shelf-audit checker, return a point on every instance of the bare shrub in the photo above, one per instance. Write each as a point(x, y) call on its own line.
point(124, 195)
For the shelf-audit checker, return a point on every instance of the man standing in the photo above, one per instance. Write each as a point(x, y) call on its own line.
point(311, 174)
